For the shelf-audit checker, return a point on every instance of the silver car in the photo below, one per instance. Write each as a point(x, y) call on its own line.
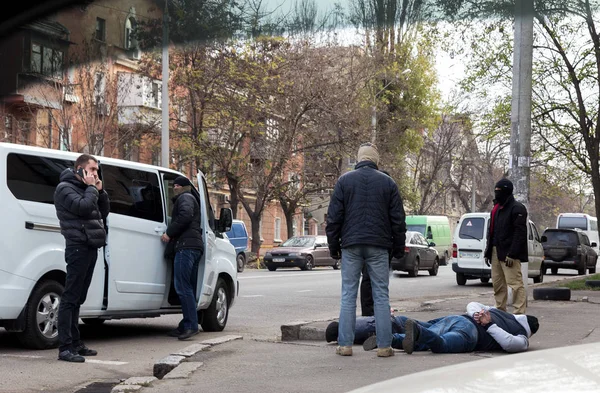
point(304, 252)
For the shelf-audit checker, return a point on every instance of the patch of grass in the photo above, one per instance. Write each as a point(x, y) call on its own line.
point(579, 285)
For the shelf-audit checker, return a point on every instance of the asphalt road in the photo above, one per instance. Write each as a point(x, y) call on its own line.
point(267, 300)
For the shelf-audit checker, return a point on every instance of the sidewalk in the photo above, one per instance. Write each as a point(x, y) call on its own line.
point(312, 366)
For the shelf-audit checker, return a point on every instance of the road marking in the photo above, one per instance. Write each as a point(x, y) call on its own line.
point(252, 296)
point(287, 275)
point(305, 290)
point(22, 356)
point(109, 362)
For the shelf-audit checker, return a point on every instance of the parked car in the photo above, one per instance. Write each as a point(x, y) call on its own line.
point(418, 255)
point(470, 241)
point(132, 278)
point(436, 229)
point(568, 249)
point(238, 236)
point(304, 252)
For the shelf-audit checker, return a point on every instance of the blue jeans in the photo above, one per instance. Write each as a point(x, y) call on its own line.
point(376, 260)
point(451, 334)
point(186, 278)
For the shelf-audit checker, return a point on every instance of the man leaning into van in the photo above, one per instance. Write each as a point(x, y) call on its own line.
point(507, 247)
point(81, 206)
point(185, 230)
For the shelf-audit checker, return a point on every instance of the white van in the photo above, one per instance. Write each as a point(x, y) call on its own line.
point(131, 278)
point(470, 241)
point(586, 223)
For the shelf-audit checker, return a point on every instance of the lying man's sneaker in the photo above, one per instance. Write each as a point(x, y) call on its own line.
point(187, 334)
point(370, 343)
point(343, 351)
point(174, 333)
point(385, 352)
point(85, 351)
point(69, 356)
point(411, 337)
point(331, 333)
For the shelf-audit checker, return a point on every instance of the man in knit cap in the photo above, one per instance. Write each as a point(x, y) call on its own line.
point(189, 247)
point(365, 222)
point(507, 247)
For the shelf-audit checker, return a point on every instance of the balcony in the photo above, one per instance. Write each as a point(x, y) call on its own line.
point(138, 100)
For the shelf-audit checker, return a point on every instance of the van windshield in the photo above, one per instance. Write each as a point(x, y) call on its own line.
point(572, 223)
point(472, 228)
point(416, 228)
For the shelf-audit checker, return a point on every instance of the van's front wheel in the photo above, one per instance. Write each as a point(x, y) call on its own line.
point(214, 318)
point(41, 316)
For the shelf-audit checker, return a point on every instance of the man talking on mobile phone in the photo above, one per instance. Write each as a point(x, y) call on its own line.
point(82, 205)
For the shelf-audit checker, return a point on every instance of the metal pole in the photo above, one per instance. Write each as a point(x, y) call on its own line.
point(164, 161)
point(374, 123)
point(473, 207)
point(520, 139)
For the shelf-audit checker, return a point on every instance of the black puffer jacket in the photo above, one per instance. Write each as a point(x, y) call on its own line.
point(366, 209)
point(510, 232)
point(81, 210)
point(185, 224)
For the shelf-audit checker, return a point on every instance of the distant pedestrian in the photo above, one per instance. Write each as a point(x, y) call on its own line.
point(507, 247)
point(365, 222)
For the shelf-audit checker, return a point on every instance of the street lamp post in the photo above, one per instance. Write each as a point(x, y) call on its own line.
point(164, 159)
point(374, 106)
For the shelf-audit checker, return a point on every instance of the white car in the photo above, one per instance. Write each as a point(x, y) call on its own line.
point(131, 278)
point(573, 369)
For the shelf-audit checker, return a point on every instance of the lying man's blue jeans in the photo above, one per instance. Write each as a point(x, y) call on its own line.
point(451, 334)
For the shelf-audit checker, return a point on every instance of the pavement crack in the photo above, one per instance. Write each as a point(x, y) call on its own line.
point(589, 334)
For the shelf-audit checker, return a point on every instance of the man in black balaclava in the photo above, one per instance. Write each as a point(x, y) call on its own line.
point(507, 247)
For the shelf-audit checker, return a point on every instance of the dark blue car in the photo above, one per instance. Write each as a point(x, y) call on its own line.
point(238, 236)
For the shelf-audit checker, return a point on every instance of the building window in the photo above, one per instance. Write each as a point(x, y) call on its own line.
point(294, 228)
point(64, 138)
point(277, 229)
point(100, 29)
point(46, 61)
point(8, 125)
point(99, 87)
point(24, 131)
point(155, 94)
point(130, 41)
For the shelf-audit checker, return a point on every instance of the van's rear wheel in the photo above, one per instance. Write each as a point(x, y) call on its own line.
point(214, 318)
point(41, 316)
point(241, 262)
point(484, 280)
point(461, 279)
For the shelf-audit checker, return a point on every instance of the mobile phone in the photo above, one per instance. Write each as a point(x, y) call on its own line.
point(81, 172)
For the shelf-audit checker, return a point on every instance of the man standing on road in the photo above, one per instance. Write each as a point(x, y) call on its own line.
point(482, 328)
point(507, 247)
point(81, 206)
point(365, 221)
point(189, 247)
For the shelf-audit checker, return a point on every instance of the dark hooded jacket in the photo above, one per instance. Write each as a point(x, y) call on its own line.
point(185, 225)
point(509, 233)
point(366, 209)
point(81, 210)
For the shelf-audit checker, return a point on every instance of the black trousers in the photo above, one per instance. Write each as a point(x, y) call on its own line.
point(366, 293)
point(81, 261)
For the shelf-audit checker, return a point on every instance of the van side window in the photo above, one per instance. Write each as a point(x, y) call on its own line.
point(536, 234)
point(34, 178)
point(593, 225)
point(133, 192)
point(209, 212)
point(530, 231)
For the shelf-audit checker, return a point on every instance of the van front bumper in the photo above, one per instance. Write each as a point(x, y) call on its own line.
point(472, 272)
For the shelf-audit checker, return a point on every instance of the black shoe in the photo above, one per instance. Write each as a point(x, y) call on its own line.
point(188, 334)
point(174, 333)
point(331, 333)
point(69, 356)
point(370, 343)
point(411, 337)
point(85, 351)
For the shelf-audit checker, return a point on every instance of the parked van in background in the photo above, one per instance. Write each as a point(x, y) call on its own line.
point(131, 278)
point(238, 236)
point(586, 223)
point(470, 241)
point(436, 229)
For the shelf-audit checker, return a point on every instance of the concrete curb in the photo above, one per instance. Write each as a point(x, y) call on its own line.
point(133, 384)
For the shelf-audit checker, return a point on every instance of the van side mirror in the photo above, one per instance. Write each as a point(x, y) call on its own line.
point(225, 220)
point(544, 239)
point(594, 244)
point(432, 244)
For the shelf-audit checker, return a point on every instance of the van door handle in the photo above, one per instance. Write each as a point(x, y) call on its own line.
point(160, 230)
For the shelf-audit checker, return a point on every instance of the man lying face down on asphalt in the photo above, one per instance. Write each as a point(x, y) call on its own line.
point(482, 328)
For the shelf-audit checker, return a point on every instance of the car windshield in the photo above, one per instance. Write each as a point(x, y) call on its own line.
point(561, 238)
point(573, 223)
point(299, 242)
point(416, 228)
point(472, 228)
